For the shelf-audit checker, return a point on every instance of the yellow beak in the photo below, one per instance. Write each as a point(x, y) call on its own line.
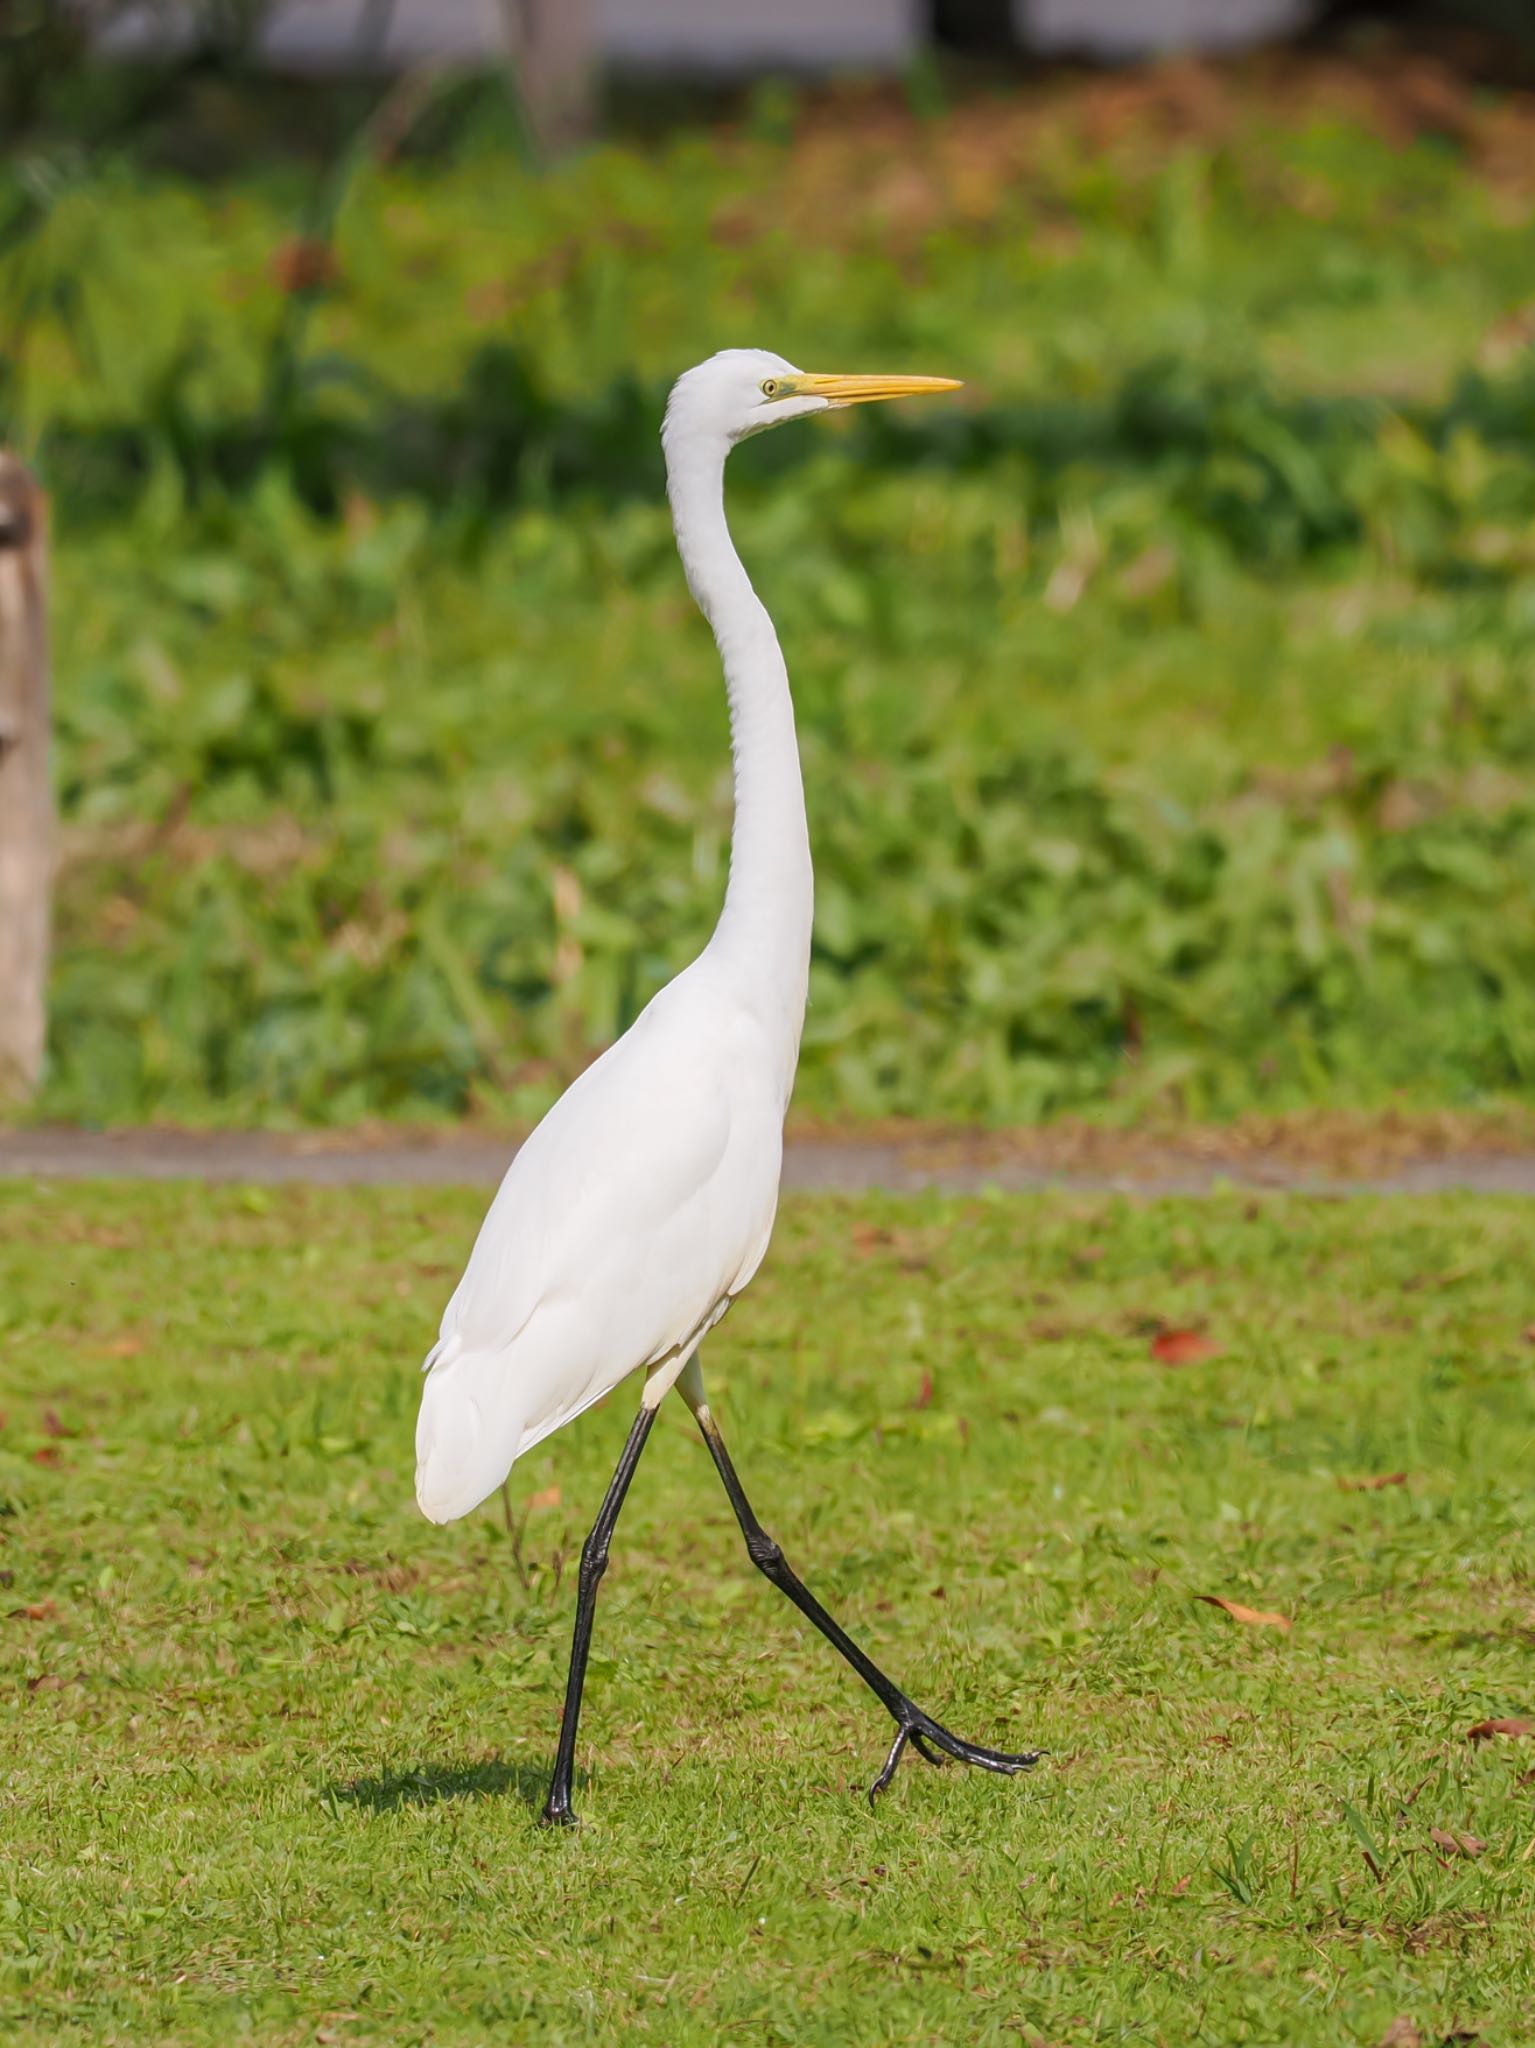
point(862, 390)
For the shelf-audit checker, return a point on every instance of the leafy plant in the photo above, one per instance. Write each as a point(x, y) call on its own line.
point(1164, 706)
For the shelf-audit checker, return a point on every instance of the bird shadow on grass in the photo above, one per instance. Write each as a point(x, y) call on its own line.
point(430, 1784)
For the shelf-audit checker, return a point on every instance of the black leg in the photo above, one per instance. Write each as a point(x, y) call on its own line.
point(594, 1562)
point(928, 1737)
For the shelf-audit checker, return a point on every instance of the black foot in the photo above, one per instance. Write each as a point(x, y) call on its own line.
point(935, 1745)
point(558, 1812)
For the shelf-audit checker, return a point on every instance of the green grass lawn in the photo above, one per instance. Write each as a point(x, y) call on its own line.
point(274, 1745)
point(1164, 701)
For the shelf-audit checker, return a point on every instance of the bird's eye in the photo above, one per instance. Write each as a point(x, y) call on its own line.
point(770, 387)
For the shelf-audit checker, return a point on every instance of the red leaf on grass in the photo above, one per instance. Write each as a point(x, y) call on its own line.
point(924, 1392)
point(1484, 1731)
point(39, 1610)
point(1374, 1483)
point(549, 1498)
point(1183, 1347)
point(1250, 1617)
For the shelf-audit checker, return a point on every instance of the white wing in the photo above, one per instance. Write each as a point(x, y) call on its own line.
point(639, 1206)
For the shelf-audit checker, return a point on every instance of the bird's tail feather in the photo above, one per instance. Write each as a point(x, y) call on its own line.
point(467, 1434)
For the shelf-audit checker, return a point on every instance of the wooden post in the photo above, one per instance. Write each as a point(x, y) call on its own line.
point(551, 45)
point(26, 793)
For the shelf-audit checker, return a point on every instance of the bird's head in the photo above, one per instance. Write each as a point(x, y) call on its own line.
point(743, 391)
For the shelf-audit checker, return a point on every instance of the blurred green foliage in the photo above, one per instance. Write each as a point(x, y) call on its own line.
point(1165, 703)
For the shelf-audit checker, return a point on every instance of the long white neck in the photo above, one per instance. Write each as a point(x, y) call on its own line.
point(763, 935)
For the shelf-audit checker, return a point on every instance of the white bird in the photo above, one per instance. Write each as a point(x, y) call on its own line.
point(643, 1203)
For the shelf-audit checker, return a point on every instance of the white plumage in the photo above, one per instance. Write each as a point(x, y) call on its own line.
point(644, 1200)
point(639, 1207)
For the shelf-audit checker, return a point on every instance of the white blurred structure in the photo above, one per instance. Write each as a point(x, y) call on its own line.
point(721, 36)
point(700, 35)
point(799, 35)
point(1144, 28)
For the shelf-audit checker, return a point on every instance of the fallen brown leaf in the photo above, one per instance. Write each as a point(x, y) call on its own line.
point(548, 1498)
point(1401, 2034)
point(123, 1347)
point(1251, 1617)
point(1374, 1483)
point(39, 1610)
point(1484, 1731)
point(48, 1454)
point(869, 1238)
point(1182, 1347)
point(1455, 1845)
point(924, 1392)
point(1144, 578)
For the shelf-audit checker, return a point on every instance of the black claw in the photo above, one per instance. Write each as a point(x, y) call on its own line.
point(1006, 1763)
point(937, 1744)
point(902, 1737)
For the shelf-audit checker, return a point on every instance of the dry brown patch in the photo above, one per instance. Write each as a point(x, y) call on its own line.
point(1331, 1144)
point(897, 175)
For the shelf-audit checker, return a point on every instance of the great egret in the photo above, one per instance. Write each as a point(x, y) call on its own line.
point(643, 1203)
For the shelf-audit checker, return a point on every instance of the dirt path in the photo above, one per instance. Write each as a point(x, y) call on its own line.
point(959, 1163)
